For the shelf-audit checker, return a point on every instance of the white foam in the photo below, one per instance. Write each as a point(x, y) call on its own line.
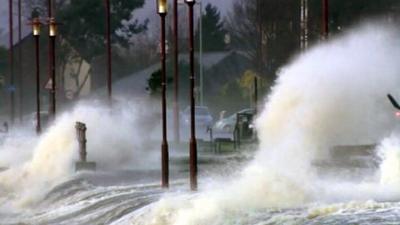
point(114, 141)
point(334, 94)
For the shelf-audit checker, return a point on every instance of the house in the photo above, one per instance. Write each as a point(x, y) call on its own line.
point(219, 68)
point(73, 73)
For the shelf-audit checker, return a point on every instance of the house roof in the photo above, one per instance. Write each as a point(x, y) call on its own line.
point(209, 59)
point(136, 83)
point(4, 36)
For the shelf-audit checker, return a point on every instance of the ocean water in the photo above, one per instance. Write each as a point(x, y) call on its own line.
point(332, 95)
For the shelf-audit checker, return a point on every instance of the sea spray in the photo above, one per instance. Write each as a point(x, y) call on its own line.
point(114, 142)
point(389, 171)
point(16, 147)
point(334, 94)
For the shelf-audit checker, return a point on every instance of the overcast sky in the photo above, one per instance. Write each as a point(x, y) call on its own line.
point(223, 5)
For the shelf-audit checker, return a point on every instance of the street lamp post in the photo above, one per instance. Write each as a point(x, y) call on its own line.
point(52, 36)
point(193, 144)
point(11, 56)
point(176, 74)
point(162, 9)
point(36, 34)
point(325, 19)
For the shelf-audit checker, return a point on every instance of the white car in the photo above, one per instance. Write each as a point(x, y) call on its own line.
point(202, 117)
point(228, 124)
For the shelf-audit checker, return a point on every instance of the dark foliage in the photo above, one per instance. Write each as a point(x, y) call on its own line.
point(213, 30)
point(269, 30)
point(86, 24)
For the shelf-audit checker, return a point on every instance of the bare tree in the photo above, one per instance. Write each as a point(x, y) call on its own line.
point(267, 31)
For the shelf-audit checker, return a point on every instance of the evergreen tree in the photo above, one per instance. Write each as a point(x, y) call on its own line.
point(213, 29)
point(84, 24)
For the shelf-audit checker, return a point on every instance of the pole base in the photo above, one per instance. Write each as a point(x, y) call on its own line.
point(85, 166)
point(193, 164)
point(164, 165)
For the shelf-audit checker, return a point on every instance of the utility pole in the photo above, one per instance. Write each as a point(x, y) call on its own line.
point(176, 74)
point(20, 66)
point(108, 46)
point(11, 88)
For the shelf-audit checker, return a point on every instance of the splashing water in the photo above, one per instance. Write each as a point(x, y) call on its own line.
point(334, 94)
point(113, 142)
point(389, 151)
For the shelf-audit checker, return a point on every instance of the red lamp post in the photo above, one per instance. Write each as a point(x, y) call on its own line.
point(36, 34)
point(162, 8)
point(52, 36)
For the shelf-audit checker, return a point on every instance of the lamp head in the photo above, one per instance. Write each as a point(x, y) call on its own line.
point(162, 6)
point(36, 26)
point(52, 27)
point(191, 2)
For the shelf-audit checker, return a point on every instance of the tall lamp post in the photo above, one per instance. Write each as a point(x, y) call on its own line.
point(325, 19)
point(193, 144)
point(36, 34)
point(162, 8)
point(11, 56)
point(176, 74)
point(52, 36)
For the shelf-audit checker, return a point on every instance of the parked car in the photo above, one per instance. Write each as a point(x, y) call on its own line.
point(228, 124)
point(202, 116)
